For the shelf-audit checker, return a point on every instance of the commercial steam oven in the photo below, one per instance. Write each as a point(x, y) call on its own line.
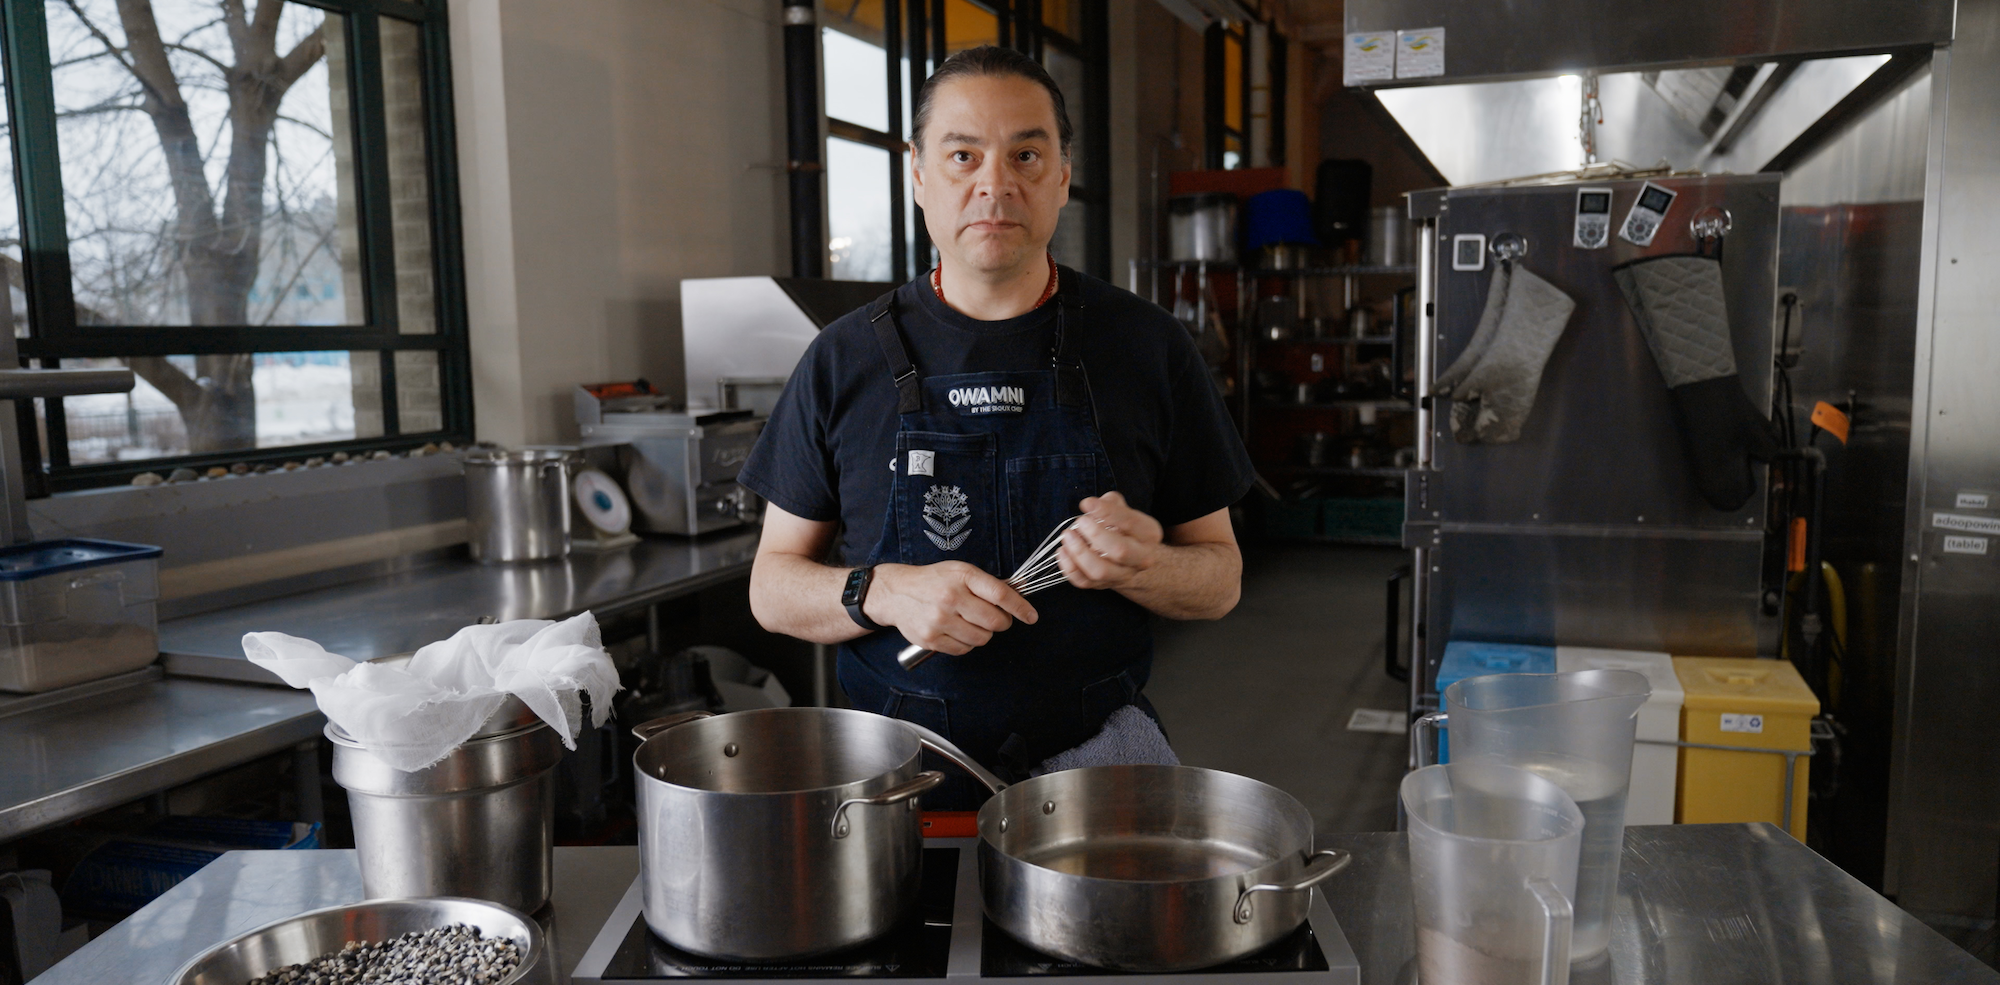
point(1586, 531)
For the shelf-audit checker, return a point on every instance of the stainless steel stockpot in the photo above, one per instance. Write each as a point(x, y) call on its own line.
point(1148, 868)
point(478, 823)
point(781, 832)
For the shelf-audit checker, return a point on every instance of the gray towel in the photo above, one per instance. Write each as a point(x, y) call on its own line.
point(1129, 737)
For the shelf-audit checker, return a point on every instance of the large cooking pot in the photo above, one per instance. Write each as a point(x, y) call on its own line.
point(781, 833)
point(1148, 868)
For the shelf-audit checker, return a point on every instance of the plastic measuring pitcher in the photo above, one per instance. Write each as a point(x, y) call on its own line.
point(1493, 857)
point(1574, 729)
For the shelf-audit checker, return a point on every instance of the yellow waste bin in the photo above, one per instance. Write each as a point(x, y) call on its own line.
point(1754, 705)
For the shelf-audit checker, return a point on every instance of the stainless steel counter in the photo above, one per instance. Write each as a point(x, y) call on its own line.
point(120, 740)
point(71, 753)
point(400, 612)
point(1701, 904)
point(244, 890)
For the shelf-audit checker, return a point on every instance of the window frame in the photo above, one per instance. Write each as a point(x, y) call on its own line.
point(914, 30)
point(54, 331)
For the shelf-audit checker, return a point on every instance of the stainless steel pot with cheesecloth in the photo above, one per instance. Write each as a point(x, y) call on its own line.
point(782, 832)
point(1148, 868)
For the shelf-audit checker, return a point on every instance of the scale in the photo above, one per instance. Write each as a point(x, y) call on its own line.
point(948, 938)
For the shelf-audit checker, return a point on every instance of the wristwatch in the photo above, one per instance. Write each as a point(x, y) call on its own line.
point(856, 593)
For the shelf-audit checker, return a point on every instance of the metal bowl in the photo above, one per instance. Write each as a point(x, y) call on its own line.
point(320, 932)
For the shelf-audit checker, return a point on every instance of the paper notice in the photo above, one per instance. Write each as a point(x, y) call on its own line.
point(1371, 57)
point(1420, 53)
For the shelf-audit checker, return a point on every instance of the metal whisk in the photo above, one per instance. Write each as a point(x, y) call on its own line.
point(1041, 570)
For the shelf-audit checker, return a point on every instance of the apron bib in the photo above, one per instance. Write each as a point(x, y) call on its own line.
point(986, 465)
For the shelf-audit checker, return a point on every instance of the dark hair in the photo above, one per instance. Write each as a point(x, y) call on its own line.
point(983, 61)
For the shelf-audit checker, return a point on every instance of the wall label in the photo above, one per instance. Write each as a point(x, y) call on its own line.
point(1969, 524)
point(1420, 53)
point(1972, 501)
point(1965, 545)
point(1753, 724)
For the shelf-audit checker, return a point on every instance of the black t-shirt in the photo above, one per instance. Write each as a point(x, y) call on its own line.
point(829, 449)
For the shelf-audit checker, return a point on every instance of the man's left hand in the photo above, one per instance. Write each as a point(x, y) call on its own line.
point(1111, 546)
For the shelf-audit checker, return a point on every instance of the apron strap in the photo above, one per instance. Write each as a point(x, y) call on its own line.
point(1072, 387)
point(889, 336)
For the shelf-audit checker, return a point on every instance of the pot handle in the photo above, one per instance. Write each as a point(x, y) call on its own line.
point(646, 730)
point(894, 795)
point(957, 757)
point(1319, 868)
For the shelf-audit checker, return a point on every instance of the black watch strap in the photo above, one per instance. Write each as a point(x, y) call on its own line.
point(855, 593)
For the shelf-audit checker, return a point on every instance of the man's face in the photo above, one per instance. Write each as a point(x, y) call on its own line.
point(991, 178)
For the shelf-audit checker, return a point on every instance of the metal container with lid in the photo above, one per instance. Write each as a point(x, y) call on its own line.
point(517, 502)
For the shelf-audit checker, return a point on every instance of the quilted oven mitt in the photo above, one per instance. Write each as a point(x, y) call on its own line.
point(1678, 303)
point(1492, 383)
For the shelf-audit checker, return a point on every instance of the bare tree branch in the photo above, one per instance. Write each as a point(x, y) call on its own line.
point(301, 58)
point(170, 381)
point(265, 25)
point(110, 47)
point(198, 53)
point(295, 121)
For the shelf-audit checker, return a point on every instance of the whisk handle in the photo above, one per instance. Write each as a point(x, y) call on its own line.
point(913, 655)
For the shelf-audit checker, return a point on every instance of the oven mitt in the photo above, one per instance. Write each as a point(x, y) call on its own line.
point(1492, 383)
point(1129, 737)
point(1678, 303)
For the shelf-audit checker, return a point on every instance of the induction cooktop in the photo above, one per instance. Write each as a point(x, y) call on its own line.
point(948, 938)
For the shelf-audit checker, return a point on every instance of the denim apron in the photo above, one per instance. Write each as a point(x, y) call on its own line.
point(986, 465)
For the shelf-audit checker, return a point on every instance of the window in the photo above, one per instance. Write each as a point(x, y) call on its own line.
point(250, 205)
point(876, 53)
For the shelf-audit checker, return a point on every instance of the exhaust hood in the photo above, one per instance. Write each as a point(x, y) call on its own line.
point(1716, 119)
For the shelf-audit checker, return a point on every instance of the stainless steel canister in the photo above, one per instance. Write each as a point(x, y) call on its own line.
point(479, 823)
point(517, 503)
point(1390, 239)
point(1202, 227)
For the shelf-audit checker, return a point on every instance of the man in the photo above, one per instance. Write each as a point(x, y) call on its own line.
point(943, 431)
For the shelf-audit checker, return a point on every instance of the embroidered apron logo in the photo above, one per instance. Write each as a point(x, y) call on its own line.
point(947, 516)
point(989, 399)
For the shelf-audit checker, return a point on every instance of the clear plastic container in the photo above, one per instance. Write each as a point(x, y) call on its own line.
point(76, 610)
point(1493, 867)
point(1575, 730)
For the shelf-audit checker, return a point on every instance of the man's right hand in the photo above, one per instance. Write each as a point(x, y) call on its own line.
point(950, 606)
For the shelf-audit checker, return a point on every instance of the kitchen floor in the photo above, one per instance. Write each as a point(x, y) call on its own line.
point(1268, 690)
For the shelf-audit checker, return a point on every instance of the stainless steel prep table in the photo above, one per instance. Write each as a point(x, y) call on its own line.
point(400, 612)
point(244, 890)
point(105, 743)
point(1712, 904)
point(1698, 904)
point(80, 750)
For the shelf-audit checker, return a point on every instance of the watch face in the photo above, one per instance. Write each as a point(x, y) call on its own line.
point(857, 580)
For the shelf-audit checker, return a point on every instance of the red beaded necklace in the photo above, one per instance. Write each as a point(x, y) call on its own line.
point(937, 283)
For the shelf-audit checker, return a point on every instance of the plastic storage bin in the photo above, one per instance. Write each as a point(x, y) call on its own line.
point(1655, 759)
point(1758, 704)
point(76, 610)
point(1470, 658)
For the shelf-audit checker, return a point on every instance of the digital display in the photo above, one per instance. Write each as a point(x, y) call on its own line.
point(1655, 199)
point(1594, 203)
